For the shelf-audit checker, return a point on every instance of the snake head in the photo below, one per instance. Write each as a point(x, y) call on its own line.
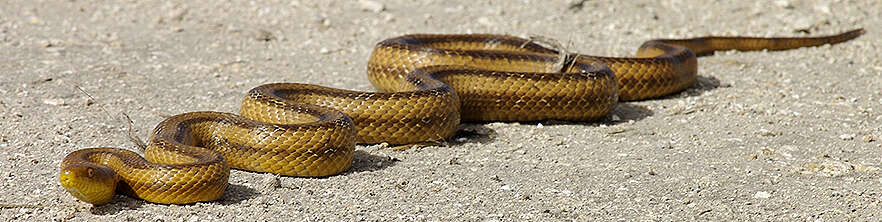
point(90, 183)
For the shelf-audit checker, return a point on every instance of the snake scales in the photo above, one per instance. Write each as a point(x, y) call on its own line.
point(429, 84)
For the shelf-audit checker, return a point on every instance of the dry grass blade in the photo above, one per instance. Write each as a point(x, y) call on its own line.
point(132, 133)
point(565, 59)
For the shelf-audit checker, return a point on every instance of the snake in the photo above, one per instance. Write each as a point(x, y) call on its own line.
point(427, 84)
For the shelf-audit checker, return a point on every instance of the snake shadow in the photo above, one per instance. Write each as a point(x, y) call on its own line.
point(118, 204)
point(623, 113)
point(367, 162)
point(362, 161)
point(626, 112)
point(235, 194)
point(472, 133)
point(702, 84)
point(477, 132)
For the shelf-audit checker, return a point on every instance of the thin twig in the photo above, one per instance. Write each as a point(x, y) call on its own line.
point(14, 205)
point(132, 132)
point(565, 59)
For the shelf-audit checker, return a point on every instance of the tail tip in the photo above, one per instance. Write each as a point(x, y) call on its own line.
point(855, 32)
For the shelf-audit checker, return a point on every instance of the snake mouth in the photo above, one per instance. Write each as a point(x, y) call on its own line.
point(71, 187)
point(73, 190)
point(69, 184)
point(66, 182)
point(77, 193)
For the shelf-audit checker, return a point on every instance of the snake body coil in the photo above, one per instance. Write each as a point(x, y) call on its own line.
point(429, 84)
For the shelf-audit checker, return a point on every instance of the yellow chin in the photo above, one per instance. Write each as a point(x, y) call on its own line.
point(95, 199)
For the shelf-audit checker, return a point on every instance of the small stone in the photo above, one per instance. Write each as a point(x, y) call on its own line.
point(177, 15)
point(823, 8)
point(765, 132)
point(54, 102)
point(193, 218)
point(762, 195)
point(272, 182)
point(496, 178)
point(485, 21)
point(847, 136)
point(566, 192)
point(784, 4)
point(868, 139)
point(665, 146)
point(371, 6)
point(453, 161)
point(388, 18)
point(233, 29)
point(263, 35)
point(506, 187)
point(616, 117)
point(576, 5)
point(56, 50)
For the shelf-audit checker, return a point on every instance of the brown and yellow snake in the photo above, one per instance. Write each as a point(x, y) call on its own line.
point(429, 84)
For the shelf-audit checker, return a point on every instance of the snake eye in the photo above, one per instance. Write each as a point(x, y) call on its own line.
point(90, 171)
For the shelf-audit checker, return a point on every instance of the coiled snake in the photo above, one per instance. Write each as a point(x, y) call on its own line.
point(429, 84)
